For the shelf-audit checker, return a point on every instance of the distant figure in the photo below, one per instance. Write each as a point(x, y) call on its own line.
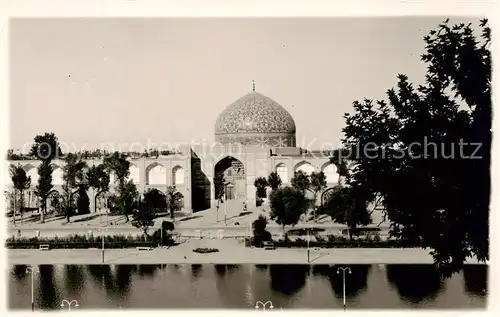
point(19, 233)
point(244, 206)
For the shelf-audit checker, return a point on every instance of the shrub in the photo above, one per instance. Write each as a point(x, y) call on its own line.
point(260, 234)
point(205, 250)
point(342, 242)
point(84, 242)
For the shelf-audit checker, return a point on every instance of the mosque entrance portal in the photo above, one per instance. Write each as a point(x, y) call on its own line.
point(234, 178)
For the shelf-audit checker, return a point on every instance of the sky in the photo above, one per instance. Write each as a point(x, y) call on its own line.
point(150, 81)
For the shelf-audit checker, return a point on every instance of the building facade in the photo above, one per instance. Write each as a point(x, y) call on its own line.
point(254, 137)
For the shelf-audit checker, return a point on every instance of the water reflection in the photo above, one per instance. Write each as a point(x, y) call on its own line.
point(148, 270)
point(415, 283)
point(288, 279)
point(48, 296)
point(240, 286)
point(19, 272)
point(355, 282)
point(74, 280)
point(123, 280)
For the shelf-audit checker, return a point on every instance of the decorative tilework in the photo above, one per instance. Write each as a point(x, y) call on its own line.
point(280, 140)
point(254, 113)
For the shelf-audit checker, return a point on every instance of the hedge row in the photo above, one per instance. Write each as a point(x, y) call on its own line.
point(344, 244)
point(84, 242)
point(333, 241)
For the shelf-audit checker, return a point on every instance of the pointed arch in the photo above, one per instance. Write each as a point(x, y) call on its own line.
point(31, 171)
point(178, 175)
point(156, 174)
point(330, 171)
point(282, 172)
point(135, 173)
point(305, 167)
point(57, 174)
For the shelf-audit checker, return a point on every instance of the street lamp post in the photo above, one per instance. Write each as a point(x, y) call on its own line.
point(217, 213)
point(225, 211)
point(32, 270)
point(69, 303)
point(343, 269)
point(308, 251)
point(102, 229)
point(263, 305)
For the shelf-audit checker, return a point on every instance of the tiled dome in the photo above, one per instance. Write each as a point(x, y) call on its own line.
point(254, 117)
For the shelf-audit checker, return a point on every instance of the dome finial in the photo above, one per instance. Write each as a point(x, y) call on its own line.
point(253, 85)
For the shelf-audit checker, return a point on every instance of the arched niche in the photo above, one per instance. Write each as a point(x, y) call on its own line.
point(135, 174)
point(156, 174)
point(57, 175)
point(282, 172)
point(31, 171)
point(178, 176)
point(330, 171)
point(305, 167)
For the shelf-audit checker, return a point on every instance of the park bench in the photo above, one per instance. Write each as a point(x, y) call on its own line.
point(144, 248)
point(268, 245)
point(44, 247)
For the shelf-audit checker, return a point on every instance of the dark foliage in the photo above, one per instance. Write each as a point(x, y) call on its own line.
point(83, 201)
point(155, 198)
point(429, 147)
point(143, 217)
point(261, 184)
point(46, 147)
point(346, 206)
point(274, 181)
point(287, 205)
point(260, 234)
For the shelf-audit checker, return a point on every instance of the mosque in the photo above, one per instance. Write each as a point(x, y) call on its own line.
point(254, 136)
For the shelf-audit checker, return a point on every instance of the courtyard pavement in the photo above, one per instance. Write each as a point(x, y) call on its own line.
point(238, 224)
point(231, 251)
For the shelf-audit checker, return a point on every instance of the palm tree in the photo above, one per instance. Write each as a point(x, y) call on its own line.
point(21, 183)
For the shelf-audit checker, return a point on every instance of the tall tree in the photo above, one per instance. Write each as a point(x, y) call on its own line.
point(274, 181)
point(127, 198)
point(340, 160)
point(346, 206)
point(426, 151)
point(74, 179)
point(118, 165)
point(97, 179)
point(301, 181)
point(261, 184)
point(287, 205)
point(219, 185)
point(174, 200)
point(44, 187)
point(318, 184)
point(45, 148)
point(21, 182)
point(143, 217)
